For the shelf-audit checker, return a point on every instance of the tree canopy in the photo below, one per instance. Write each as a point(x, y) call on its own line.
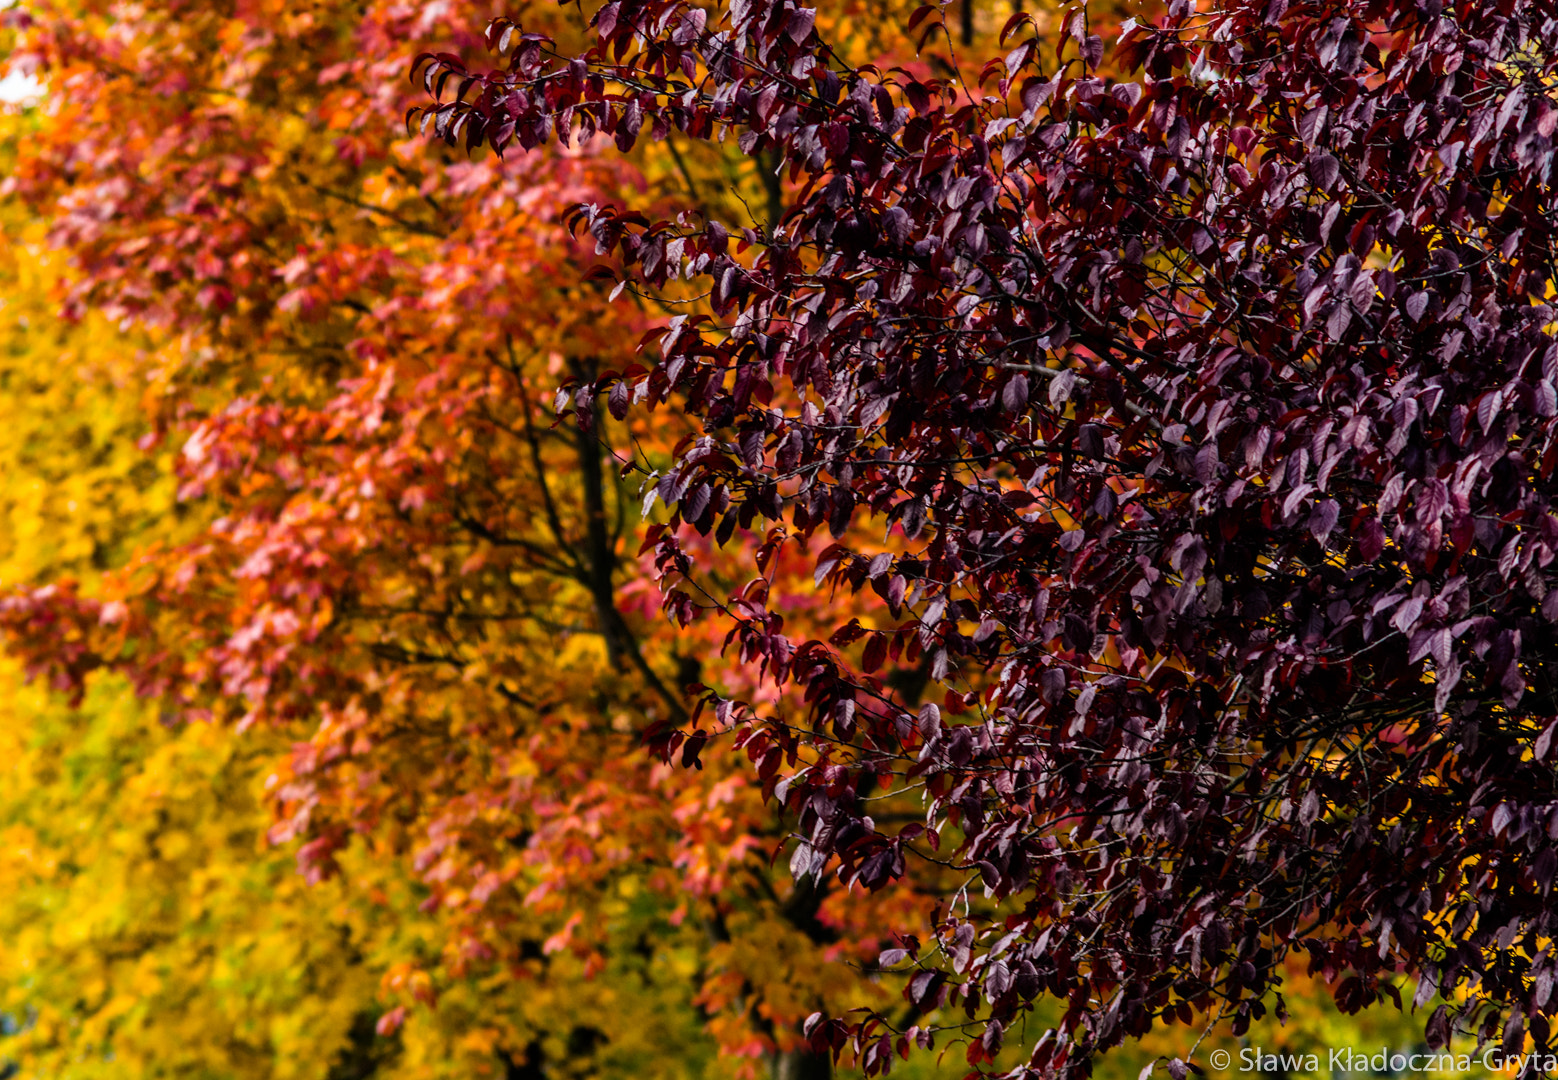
point(365, 549)
point(1209, 412)
point(1100, 502)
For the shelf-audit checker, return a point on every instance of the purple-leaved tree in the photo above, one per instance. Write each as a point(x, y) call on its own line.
point(1212, 416)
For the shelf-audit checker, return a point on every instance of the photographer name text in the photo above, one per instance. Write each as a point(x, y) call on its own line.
point(1346, 1059)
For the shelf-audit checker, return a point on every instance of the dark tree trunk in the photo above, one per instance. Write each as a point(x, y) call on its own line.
point(530, 1067)
point(802, 1065)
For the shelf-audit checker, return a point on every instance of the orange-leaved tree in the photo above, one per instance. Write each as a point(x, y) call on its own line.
point(388, 553)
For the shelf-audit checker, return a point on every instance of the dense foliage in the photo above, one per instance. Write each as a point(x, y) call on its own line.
point(382, 564)
point(1103, 510)
point(1209, 412)
point(149, 929)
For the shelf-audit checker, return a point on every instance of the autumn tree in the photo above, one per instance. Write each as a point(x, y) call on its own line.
point(1209, 411)
point(148, 928)
point(381, 555)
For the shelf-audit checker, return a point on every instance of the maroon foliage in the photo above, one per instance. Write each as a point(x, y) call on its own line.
point(1214, 413)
